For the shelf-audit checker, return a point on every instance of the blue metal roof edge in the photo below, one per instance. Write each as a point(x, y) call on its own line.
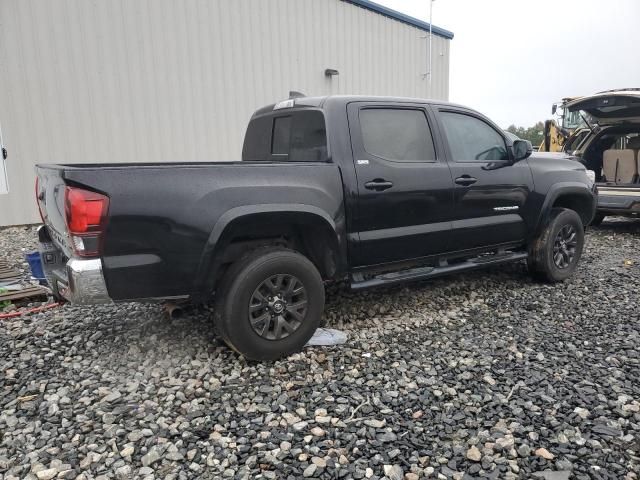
point(401, 17)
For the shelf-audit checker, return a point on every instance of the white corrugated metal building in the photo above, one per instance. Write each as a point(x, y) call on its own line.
point(170, 80)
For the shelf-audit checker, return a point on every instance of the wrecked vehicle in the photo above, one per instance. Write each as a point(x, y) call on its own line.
point(377, 190)
point(609, 145)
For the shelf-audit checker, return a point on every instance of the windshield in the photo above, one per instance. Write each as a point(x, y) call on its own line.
point(572, 120)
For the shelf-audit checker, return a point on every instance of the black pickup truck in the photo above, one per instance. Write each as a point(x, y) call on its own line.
point(376, 190)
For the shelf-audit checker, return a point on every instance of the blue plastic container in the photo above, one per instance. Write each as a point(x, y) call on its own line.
point(35, 264)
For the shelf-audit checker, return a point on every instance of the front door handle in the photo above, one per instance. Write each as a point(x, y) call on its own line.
point(378, 185)
point(466, 180)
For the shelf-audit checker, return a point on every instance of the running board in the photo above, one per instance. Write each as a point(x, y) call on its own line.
point(358, 281)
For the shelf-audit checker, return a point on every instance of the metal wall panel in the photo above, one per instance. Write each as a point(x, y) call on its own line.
point(167, 80)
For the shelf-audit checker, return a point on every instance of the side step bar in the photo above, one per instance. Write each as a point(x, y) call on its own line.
point(358, 281)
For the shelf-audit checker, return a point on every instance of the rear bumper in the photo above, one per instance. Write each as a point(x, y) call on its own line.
point(619, 201)
point(79, 281)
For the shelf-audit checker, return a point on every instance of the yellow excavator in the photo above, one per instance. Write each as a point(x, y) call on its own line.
point(558, 130)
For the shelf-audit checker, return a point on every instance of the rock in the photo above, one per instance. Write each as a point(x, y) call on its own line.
point(504, 443)
point(393, 453)
point(553, 475)
point(317, 432)
point(582, 412)
point(393, 472)
point(489, 379)
point(151, 457)
point(474, 454)
point(47, 474)
point(387, 437)
point(375, 423)
point(544, 453)
point(135, 436)
point(285, 446)
point(309, 471)
point(524, 450)
point(299, 426)
point(319, 462)
point(112, 397)
point(127, 451)
point(606, 431)
point(124, 472)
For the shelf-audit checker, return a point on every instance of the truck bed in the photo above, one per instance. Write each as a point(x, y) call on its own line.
point(163, 218)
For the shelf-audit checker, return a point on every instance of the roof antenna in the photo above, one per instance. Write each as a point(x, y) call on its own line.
point(294, 94)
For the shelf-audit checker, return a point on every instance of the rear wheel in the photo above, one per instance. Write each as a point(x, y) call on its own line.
point(554, 255)
point(269, 304)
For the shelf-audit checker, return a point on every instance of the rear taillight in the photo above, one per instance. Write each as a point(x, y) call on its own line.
point(86, 215)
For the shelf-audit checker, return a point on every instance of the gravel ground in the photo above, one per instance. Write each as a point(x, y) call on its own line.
point(483, 375)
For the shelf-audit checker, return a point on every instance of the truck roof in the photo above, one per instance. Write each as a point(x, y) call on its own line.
point(323, 102)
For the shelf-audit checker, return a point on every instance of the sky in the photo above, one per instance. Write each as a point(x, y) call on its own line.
point(511, 59)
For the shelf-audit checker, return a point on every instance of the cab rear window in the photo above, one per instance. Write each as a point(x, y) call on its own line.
point(295, 136)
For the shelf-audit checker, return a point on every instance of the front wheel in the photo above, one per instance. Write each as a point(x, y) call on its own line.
point(554, 255)
point(269, 304)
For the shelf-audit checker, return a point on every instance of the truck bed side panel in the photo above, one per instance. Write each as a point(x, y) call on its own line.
point(160, 217)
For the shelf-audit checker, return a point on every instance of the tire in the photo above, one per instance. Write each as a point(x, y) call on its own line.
point(597, 220)
point(563, 235)
point(269, 304)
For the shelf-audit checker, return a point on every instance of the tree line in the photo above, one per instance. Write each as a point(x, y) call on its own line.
point(533, 134)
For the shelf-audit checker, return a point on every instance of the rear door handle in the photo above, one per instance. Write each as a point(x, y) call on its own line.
point(466, 180)
point(378, 185)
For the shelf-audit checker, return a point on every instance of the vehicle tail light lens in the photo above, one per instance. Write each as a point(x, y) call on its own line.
point(86, 215)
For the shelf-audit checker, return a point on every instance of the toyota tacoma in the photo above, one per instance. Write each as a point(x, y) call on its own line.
point(375, 190)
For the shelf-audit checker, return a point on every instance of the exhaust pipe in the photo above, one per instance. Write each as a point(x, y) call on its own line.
point(173, 310)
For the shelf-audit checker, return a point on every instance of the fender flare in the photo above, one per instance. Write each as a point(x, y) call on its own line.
point(207, 260)
point(564, 188)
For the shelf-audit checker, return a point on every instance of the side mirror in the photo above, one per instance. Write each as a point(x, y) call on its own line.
point(521, 149)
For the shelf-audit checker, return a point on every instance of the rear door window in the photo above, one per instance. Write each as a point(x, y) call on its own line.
point(397, 134)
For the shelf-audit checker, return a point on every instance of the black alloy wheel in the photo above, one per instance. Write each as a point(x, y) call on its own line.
point(564, 246)
point(555, 252)
point(269, 303)
point(278, 306)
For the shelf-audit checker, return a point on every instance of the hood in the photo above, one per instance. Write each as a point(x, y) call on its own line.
point(552, 161)
point(557, 165)
point(552, 156)
point(610, 107)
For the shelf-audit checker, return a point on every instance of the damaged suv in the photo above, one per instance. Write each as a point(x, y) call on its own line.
point(609, 145)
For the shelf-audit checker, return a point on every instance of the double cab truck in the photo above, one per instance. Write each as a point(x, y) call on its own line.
point(374, 190)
